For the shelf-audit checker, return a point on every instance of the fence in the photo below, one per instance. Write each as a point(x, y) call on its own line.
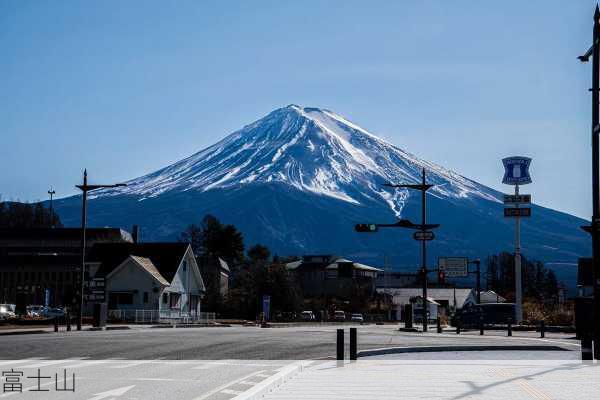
point(161, 316)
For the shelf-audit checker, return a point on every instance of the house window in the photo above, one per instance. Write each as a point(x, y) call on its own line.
point(165, 298)
point(145, 297)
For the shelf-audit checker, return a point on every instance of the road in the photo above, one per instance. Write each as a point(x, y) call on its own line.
point(245, 343)
point(135, 380)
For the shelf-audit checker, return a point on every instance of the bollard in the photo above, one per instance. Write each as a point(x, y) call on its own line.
point(353, 344)
point(340, 344)
point(55, 324)
point(439, 325)
point(68, 318)
point(542, 329)
point(509, 329)
point(586, 348)
point(481, 326)
point(458, 326)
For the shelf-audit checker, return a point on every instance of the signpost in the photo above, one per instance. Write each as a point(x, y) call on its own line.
point(516, 172)
point(454, 267)
point(517, 212)
point(423, 235)
point(517, 199)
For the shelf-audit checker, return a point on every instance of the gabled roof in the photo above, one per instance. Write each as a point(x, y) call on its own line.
point(166, 257)
point(147, 264)
point(223, 264)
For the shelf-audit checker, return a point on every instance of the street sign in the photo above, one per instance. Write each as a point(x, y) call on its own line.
point(517, 199)
point(423, 235)
point(516, 170)
point(517, 212)
point(455, 267)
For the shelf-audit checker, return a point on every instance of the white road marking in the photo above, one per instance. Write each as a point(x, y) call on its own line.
point(229, 391)
point(112, 393)
point(225, 386)
point(249, 383)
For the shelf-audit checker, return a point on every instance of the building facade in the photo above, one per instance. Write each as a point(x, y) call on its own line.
point(41, 265)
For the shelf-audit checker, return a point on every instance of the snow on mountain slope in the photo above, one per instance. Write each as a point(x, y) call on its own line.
point(309, 149)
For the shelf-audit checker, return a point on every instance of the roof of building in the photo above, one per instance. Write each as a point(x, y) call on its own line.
point(333, 263)
point(147, 264)
point(489, 296)
point(166, 257)
point(362, 267)
point(223, 265)
point(92, 234)
point(403, 295)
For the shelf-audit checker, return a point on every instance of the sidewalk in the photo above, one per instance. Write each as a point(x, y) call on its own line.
point(443, 379)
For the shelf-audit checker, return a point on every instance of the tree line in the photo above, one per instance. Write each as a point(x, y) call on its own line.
point(254, 273)
point(26, 215)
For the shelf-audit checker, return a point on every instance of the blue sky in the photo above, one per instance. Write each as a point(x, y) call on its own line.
point(124, 88)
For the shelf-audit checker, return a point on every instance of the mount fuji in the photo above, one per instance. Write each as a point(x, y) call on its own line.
point(298, 179)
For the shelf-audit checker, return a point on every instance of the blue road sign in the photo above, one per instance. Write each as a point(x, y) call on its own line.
point(516, 170)
point(47, 297)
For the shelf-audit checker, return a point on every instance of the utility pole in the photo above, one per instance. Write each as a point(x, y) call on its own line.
point(477, 263)
point(594, 227)
point(85, 188)
point(51, 193)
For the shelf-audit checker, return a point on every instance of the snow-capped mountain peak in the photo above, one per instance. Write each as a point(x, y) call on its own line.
point(308, 149)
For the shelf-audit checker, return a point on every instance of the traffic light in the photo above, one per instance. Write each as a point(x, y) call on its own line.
point(441, 277)
point(365, 228)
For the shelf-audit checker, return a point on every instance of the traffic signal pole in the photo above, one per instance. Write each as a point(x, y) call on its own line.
point(423, 233)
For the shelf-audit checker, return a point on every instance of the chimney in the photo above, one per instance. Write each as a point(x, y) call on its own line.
point(135, 233)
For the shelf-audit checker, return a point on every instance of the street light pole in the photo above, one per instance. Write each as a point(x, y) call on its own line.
point(594, 229)
point(51, 193)
point(85, 188)
point(424, 253)
point(423, 187)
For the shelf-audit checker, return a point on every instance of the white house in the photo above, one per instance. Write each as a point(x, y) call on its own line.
point(443, 298)
point(163, 277)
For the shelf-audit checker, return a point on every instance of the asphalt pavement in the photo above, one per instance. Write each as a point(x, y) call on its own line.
point(251, 343)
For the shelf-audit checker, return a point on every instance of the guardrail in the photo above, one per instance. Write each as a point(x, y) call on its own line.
point(161, 316)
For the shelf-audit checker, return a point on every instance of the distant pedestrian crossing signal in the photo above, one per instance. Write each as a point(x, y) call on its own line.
point(365, 228)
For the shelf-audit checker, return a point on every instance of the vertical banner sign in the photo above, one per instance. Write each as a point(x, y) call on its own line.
point(266, 305)
point(47, 297)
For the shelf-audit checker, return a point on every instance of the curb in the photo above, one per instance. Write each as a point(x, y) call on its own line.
point(24, 332)
point(271, 383)
point(433, 349)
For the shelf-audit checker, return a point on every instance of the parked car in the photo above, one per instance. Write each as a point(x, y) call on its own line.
point(307, 316)
point(35, 311)
point(53, 312)
point(7, 311)
point(339, 316)
point(356, 317)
